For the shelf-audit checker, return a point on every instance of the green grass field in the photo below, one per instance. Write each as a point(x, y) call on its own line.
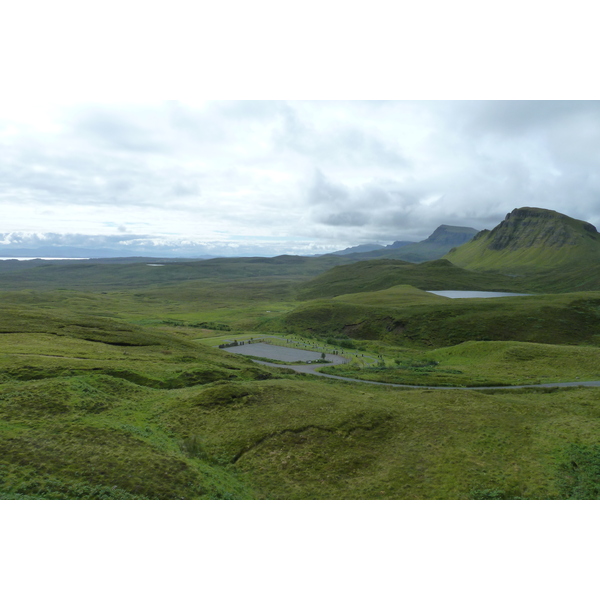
point(474, 364)
point(116, 391)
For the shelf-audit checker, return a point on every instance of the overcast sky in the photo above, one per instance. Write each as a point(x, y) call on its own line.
point(128, 172)
point(289, 177)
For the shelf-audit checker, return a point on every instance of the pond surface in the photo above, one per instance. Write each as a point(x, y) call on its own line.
point(469, 294)
point(275, 352)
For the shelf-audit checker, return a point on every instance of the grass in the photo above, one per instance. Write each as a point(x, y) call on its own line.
point(531, 240)
point(106, 392)
point(439, 322)
point(473, 364)
point(296, 439)
point(84, 430)
point(381, 274)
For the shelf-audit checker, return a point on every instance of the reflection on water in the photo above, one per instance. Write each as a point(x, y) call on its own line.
point(468, 294)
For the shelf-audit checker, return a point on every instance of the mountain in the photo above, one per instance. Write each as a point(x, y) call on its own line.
point(398, 244)
point(443, 239)
point(530, 239)
point(361, 248)
point(450, 235)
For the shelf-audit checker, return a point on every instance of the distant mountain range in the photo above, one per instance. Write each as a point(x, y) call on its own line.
point(528, 239)
point(369, 248)
point(435, 246)
point(441, 241)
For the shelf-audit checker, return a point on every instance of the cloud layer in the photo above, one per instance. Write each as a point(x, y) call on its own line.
point(268, 178)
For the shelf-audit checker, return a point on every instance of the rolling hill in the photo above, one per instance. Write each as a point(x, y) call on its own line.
point(379, 274)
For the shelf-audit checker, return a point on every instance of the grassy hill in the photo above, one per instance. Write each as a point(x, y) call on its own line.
point(528, 240)
point(167, 419)
point(384, 273)
point(425, 320)
point(108, 396)
point(479, 363)
point(80, 404)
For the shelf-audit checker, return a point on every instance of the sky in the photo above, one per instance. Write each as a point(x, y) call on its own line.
point(94, 155)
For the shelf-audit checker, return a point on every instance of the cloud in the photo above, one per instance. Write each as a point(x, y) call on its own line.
point(520, 118)
point(309, 174)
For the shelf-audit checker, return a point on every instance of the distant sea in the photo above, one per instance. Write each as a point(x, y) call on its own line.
point(40, 258)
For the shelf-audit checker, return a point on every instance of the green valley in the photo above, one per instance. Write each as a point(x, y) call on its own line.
point(112, 384)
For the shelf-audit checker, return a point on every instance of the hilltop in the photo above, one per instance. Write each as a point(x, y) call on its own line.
point(530, 239)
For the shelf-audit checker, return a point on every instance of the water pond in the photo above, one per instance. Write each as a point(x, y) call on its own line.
point(275, 352)
point(471, 294)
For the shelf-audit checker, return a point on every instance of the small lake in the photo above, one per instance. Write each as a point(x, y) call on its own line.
point(469, 294)
point(275, 352)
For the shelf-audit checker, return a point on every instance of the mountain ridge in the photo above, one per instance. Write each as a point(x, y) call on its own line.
point(444, 238)
point(528, 239)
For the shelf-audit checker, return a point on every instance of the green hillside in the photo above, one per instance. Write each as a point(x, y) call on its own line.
point(529, 240)
point(475, 364)
point(384, 273)
point(112, 385)
point(80, 405)
point(429, 321)
point(100, 409)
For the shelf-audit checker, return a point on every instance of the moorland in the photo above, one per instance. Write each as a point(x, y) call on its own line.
point(112, 384)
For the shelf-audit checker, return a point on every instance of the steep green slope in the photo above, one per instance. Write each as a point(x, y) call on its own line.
point(531, 239)
point(384, 273)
